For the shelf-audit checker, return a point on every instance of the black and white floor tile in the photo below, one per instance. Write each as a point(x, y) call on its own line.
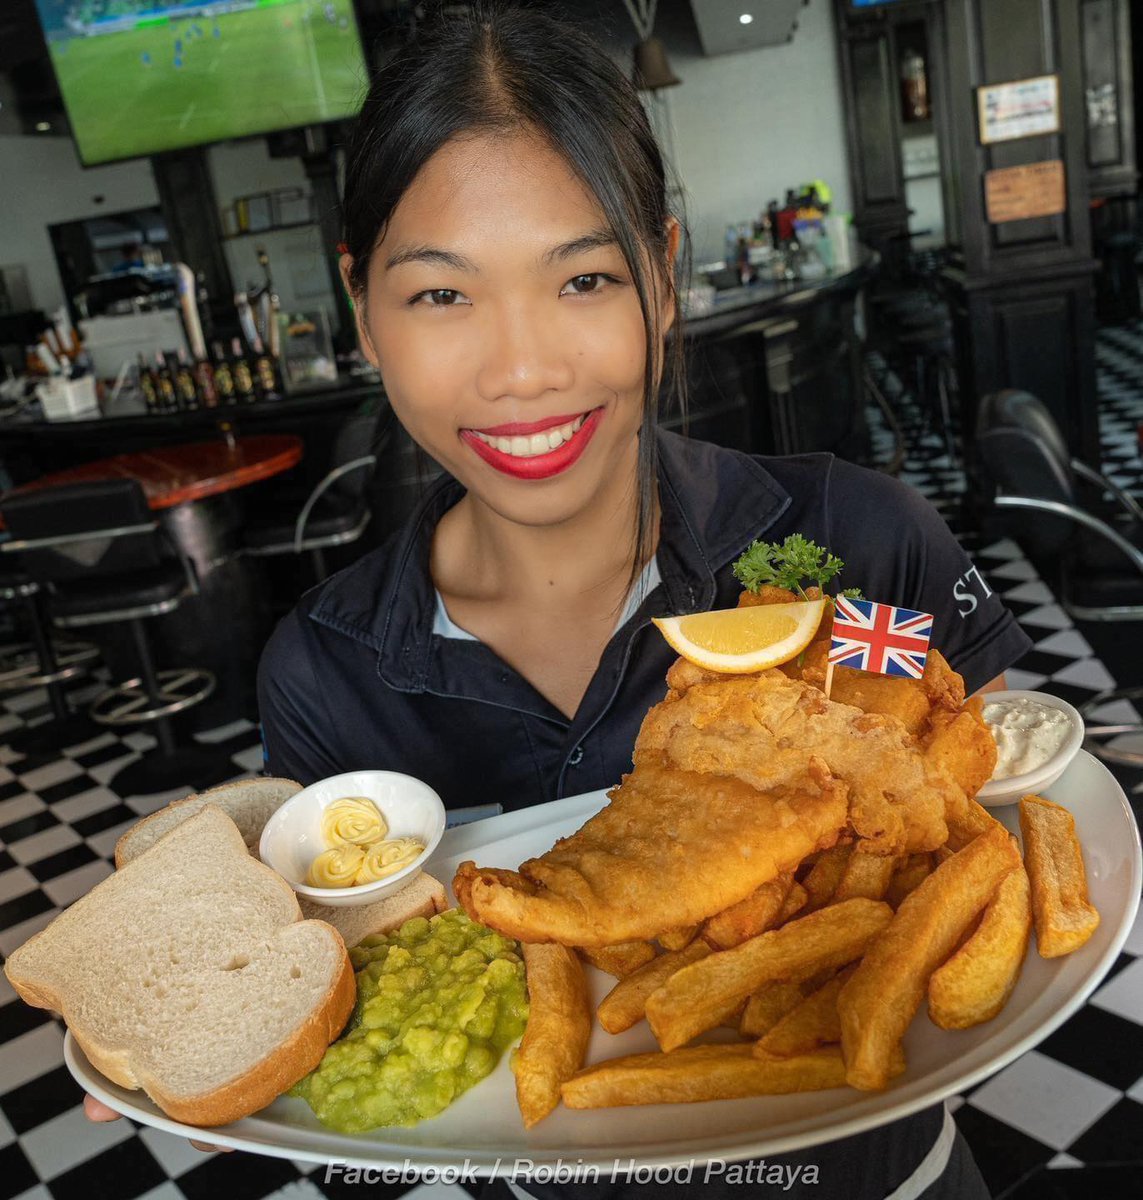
point(1065, 1120)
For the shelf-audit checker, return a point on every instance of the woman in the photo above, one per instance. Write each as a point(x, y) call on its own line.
point(511, 257)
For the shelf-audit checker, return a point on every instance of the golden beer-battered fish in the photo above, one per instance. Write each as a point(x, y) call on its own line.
point(762, 728)
point(671, 848)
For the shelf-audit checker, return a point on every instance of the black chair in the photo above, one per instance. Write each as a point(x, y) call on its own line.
point(1076, 517)
point(102, 558)
point(1083, 528)
point(335, 512)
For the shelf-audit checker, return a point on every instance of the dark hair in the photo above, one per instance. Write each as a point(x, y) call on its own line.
point(494, 69)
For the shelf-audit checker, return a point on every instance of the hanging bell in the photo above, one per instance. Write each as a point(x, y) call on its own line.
point(652, 70)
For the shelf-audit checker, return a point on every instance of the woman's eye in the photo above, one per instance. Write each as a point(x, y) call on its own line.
point(439, 298)
point(581, 285)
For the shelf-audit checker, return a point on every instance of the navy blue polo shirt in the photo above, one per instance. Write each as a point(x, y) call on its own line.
point(355, 677)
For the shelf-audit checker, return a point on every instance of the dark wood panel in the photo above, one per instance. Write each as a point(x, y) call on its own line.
point(1016, 40)
point(1109, 97)
point(875, 97)
point(1038, 336)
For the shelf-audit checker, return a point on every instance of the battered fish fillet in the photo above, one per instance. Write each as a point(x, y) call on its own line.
point(671, 848)
point(762, 728)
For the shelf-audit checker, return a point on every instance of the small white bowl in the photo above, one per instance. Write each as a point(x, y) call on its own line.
point(998, 792)
point(292, 837)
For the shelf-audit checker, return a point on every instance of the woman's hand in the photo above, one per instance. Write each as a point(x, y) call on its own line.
point(96, 1110)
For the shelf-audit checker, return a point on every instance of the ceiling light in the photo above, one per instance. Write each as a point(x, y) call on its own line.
point(745, 19)
point(43, 126)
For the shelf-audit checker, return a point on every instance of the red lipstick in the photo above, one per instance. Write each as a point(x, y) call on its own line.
point(539, 466)
point(525, 428)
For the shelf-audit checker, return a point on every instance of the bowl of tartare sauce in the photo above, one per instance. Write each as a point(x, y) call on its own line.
point(1036, 735)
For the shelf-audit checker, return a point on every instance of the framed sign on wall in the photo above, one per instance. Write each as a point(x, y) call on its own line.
point(1020, 109)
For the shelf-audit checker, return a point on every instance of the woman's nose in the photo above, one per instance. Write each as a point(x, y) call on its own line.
point(522, 357)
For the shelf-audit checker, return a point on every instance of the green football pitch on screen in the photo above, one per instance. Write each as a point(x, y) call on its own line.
point(181, 76)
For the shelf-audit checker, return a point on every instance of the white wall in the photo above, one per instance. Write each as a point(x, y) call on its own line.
point(747, 126)
point(42, 184)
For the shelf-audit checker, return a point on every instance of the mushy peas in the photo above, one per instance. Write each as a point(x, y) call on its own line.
point(438, 1002)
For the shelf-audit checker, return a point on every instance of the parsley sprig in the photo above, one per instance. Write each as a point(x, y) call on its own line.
point(794, 564)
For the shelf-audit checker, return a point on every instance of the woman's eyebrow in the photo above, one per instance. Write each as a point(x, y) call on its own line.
point(595, 240)
point(435, 256)
point(432, 255)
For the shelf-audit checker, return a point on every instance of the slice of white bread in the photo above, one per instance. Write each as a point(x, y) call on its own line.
point(190, 973)
point(423, 896)
point(249, 803)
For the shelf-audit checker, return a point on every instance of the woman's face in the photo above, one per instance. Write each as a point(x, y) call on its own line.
point(507, 330)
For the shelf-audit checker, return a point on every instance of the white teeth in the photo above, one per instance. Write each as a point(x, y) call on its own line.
point(538, 443)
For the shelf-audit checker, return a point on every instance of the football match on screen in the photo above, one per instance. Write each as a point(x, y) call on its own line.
point(142, 76)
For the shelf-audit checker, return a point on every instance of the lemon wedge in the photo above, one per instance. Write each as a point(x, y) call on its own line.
point(735, 641)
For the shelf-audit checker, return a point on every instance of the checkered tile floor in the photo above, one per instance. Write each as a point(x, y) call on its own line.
point(1065, 1120)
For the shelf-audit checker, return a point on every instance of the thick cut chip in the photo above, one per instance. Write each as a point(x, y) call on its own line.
point(865, 875)
point(699, 996)
point(768, 1005)
point(676, 939)
point(910, 871)
point(626, 1004)
point(974, 985)
point(969, 822)
point(795, 903)
point(701, 1073)
point(1064, 916)
point(618, 960)
point(884, 993)
point(559, 1025)
point(750, 917)
point(825, 875)
point(812, 1023)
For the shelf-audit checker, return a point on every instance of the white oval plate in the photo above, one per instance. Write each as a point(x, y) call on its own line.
point(483, 1130)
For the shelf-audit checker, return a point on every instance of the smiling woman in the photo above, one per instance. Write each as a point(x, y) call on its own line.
point(512, 259)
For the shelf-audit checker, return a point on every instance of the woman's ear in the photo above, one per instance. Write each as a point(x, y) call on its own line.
point(345, 267)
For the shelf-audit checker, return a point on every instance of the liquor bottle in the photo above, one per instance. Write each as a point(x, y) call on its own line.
point(223, 376)
point(165, 383)
point(266, 377)
point(243, 380)
point(185, 383)
point(204, 378)
point(147, 386)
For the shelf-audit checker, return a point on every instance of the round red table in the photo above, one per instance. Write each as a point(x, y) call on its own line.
point(172, 475)
point(196, 488)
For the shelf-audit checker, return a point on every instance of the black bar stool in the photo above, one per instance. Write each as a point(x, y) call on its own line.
point(104, 559)
point(42, 662)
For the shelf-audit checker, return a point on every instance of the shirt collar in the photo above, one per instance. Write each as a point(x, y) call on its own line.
point(713, 502)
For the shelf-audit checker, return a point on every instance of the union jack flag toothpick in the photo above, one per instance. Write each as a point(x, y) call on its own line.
point(880, 638)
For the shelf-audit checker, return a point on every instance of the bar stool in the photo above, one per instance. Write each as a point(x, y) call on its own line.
point(103, 559)
point(42, 662)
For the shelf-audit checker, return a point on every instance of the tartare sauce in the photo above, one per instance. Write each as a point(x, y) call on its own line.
point(1027, 734)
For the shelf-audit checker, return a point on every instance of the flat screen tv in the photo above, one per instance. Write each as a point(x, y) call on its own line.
point(142, 76)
